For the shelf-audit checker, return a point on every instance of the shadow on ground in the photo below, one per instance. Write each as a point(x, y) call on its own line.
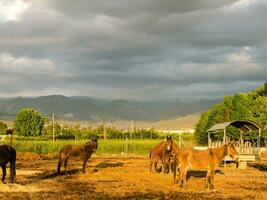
point(201, 174)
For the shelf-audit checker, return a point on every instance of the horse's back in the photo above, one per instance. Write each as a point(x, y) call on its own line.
point(197, 159)
point(157, 150)
point(72, 151)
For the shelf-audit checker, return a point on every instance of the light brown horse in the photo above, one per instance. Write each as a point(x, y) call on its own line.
point(202, 160)
point(83, 152)
point(161, 152)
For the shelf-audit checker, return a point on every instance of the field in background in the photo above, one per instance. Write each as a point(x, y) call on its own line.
point(116, 147)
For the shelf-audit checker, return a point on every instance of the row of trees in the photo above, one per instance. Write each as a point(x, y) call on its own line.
point(30, 123)
point(249, 106)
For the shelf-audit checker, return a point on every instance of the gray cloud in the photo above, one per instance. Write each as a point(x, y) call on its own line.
point(135, 49)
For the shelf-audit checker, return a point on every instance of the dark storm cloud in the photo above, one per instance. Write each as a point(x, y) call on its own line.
point(134, 49)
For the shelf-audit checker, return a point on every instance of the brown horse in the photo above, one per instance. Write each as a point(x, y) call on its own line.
point(202, 160)
point(161, 152)
point(8, 154)
point(83, 152)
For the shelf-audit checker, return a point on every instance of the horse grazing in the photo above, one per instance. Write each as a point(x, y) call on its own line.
point(83, 152)
point(161, 152)
point(202, 160)
point(8, 154)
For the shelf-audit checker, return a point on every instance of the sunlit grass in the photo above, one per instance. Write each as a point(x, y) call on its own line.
point(116, 147)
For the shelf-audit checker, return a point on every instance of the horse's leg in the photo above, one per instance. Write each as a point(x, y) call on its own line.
point(155, 165)
point(4, 173)
point(151, 163)
point(212, 179)
point(184, 177)
point(180, 176)
point(59, 165)
point(84, 165)
point(65, 165)
point(164, 163)
point(207, 181)
point(12, 171)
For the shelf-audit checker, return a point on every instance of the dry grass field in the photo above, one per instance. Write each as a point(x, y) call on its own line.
point(126, 178)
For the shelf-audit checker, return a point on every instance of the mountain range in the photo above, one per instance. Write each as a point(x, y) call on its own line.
point(98, 110)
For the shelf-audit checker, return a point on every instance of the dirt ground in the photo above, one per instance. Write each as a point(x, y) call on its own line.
point(126, 178)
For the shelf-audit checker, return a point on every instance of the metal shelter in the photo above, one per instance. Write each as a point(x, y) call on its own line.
point(246, 150)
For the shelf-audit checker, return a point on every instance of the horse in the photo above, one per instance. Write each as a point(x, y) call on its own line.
point(202, 160)
point(8, 154)
point(161, 152)
point(77, 151)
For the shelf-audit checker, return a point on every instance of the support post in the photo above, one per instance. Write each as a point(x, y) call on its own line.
point(126, 145)
point(209, 140)
point(179, 140)
point(53, 127)
point(224, 136)
point(259, 143)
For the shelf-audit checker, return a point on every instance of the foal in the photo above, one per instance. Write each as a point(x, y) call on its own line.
point(202, 160)
point(161, 152)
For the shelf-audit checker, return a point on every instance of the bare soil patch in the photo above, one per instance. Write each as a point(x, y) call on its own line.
point(126, 178)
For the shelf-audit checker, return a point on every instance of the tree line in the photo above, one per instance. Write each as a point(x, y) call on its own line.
point(29, 123)
point(248, 106)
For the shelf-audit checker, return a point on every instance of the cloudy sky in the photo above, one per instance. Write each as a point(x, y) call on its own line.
point(132, 49)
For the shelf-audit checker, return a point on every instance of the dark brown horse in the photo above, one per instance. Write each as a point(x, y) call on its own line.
point(8, 155)
point(83, 152)
point(202, 160)
point(161, 152)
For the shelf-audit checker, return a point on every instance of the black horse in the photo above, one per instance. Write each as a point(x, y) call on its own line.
point(8, 154)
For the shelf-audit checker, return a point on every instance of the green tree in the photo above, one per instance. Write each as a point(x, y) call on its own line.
point(29, 122)
point(3, 128)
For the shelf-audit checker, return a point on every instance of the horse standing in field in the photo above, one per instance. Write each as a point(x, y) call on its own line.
point(162, 152)
point(202, 160)
point(8, 154)
point(83, 152)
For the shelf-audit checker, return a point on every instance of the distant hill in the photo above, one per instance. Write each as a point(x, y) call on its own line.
point(95, 110)
point(184, 122)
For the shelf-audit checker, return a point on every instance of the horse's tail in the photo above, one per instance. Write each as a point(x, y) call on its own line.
point(150, 155)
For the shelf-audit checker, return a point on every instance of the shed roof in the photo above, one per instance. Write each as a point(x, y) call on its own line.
point(242, 125)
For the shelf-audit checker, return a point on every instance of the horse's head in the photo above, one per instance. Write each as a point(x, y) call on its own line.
point(231, 151)
point(168, 145)
point(94, 144)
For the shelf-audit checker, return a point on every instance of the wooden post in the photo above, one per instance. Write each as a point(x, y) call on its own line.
point(209, 142)
point(224, 136)
point(126, 145)
point(105, 133)
point(179, 140)
point(259, 143)
point(241, 142)
point(53, 127)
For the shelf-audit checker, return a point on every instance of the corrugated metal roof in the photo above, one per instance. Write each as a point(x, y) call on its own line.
point(220, 126)
point(243, 125)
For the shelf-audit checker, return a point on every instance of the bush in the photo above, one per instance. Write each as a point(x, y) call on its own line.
point(3, 128)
